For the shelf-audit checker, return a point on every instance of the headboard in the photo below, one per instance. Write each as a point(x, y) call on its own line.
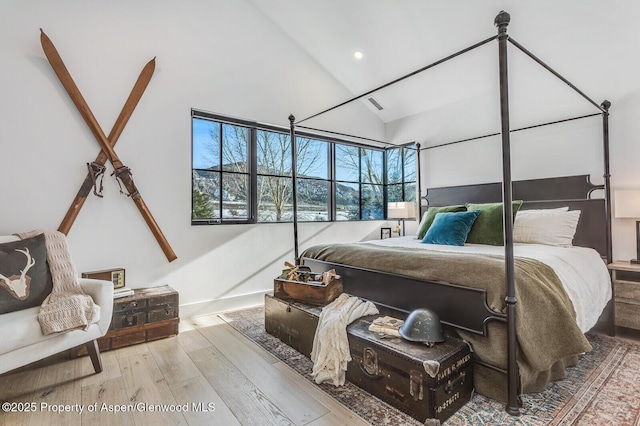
point(572, 191)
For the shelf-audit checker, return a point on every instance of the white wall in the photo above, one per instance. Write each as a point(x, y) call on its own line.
point(219, 56)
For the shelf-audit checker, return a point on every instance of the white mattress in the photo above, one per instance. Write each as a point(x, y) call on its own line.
point(581, 270)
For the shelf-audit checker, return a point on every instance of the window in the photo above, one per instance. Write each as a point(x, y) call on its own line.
point(314, 183)
point(359, 183)
point(221, 174)
point(241, 173)
point(401, 173)
point(274, 183)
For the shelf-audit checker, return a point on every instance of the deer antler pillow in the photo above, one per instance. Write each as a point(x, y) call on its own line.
point(25, 280)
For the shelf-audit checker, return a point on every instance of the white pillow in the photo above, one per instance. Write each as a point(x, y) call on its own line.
point(553, 227)
point(424, 217)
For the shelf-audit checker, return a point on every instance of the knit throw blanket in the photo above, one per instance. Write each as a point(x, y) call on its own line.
point(68, 307)
point(330, 353)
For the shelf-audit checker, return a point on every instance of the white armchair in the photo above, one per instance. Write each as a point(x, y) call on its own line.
point(22, 341)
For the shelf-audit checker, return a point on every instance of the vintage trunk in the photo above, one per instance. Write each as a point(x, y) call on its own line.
point(292, 322)
point(429, 384)
point(149, 314)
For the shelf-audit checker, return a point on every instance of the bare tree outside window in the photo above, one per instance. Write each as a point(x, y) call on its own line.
point(401, 174)
point(275, 182)
point(364, 166)
point(410, 176)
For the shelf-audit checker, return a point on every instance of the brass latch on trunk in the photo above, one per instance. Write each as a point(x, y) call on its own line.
point(369, 365)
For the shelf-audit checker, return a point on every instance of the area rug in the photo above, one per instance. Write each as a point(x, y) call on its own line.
point(603, 389)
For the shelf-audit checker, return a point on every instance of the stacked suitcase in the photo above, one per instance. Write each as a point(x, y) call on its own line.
point(428, 383)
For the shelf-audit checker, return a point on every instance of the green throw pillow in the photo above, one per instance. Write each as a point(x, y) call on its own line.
point(431, 215)
point(487, 229)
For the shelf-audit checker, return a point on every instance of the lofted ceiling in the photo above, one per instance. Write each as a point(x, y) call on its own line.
point(581, 39)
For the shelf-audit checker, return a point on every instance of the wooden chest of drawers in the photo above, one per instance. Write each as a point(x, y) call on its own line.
point(149, 314)
point(626, 288)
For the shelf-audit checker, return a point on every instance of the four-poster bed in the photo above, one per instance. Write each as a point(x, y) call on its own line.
point(469, 306)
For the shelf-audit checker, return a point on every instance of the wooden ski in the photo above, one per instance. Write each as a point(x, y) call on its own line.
point(122, 172)
point(101, 159)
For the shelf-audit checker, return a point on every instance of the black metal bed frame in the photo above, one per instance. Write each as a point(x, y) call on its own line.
point(448, 293)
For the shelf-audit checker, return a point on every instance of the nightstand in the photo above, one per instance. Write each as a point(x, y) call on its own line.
point(626, 293)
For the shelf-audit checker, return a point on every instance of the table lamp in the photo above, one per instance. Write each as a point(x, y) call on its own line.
point(401, 210)
point(627, 203)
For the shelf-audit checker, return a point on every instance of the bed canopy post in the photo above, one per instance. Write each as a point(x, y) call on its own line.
point(502, 21)
point(419, 187)
point(607, 175)
point(294, 186)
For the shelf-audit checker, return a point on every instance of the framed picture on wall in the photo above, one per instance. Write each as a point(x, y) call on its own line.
point(385, 233)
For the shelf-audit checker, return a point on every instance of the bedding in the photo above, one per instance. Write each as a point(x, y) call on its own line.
point(430, 215)
point(550, 282)
point(550, 227)
point(583, 274)
point(488, 228)
point(451, 228)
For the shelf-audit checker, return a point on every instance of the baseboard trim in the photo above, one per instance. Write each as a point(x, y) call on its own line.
point(208, 307)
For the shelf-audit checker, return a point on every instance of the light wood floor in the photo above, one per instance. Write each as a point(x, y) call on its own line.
point(221, 376)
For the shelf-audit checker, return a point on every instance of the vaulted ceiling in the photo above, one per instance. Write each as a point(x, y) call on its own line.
point(585, 41)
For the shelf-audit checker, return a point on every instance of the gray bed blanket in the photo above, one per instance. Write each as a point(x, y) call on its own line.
point(548, 337)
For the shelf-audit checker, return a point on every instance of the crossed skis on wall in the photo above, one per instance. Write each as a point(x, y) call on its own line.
point(96, 168)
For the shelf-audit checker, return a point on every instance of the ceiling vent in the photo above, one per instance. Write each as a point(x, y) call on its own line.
point(375, 103)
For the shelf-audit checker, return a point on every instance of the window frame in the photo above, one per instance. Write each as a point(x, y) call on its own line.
point(332, 181)
point(403, 182)
point(220, 172)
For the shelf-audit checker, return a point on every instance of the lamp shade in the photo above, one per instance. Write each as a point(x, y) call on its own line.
point(627, 203)
point(401, 210)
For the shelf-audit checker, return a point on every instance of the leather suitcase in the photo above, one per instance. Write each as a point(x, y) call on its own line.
point(428, 383)
point(389, 368)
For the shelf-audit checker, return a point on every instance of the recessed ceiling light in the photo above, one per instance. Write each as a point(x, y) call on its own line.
point(358, 54)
